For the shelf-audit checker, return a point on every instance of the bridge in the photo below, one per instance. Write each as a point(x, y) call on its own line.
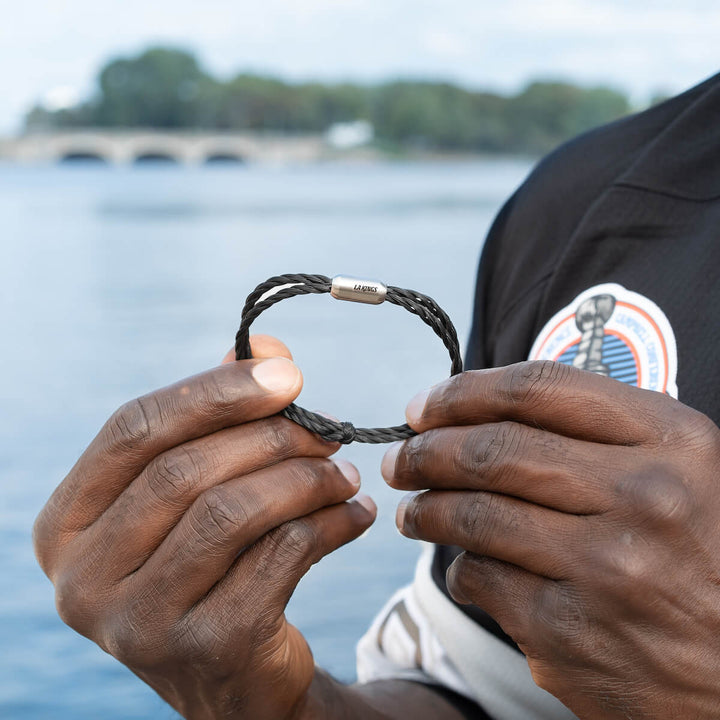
point(134, 146)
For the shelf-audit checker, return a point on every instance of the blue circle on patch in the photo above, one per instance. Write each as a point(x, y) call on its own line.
point(615, 354)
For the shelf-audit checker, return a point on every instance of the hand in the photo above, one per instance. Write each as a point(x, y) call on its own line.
point(589, 514)
point(178, 537)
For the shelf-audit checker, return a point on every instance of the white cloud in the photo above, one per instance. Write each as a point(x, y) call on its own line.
point(633, 44)
point(444, 43)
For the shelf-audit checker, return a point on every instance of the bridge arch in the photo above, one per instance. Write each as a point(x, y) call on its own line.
point(155, 156)
point(224, 157)
point(82, 156)
point(81, 147)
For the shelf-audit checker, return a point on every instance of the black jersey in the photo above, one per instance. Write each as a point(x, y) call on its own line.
point(608, 258)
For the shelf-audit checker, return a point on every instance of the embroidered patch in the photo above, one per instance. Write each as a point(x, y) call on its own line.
point(613, 331)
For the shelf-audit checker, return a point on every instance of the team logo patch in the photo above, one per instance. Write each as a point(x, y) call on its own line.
point(615, 332)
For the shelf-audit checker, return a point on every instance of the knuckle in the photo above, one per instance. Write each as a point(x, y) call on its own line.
point(133, 642)
point(202, 640)
point(176, 473)
point(451, 393)
point(313, 475)
point(624, 564)
point(75, 601)
point(301, 536)
point(218, 396)
point(297, 539)
point(57, 525)
point(477, 519)
point(559, 613)
point(529, 382)
point(674, 507)
point(65, 602)
point(327, 481)
point(125, 645)
point(473, 578)
point(490, 450)
point(220, 515)
point(280, 436)
point(423, 514)
point(43, 539)
point(122, 639)
point(412, 456)
point(314, 480)
point(700, 431)
point(205, 642)
point(131, 425)
point(136, 628)
point(657, 496)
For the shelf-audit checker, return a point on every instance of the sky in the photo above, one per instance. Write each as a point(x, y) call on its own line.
point(50, 50)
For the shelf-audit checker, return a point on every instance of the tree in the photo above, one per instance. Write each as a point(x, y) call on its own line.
point(545, 114)
point(162, 87)
point(167, 88)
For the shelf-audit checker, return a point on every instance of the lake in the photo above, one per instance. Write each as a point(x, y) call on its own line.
point(115, 281)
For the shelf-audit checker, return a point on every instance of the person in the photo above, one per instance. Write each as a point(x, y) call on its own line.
point(570, 483)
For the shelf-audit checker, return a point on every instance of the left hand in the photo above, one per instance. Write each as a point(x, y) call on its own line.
point(589, 512)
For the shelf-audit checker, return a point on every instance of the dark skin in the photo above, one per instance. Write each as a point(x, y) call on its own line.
point(588, 514)
point(177, 539)
point(587, 510)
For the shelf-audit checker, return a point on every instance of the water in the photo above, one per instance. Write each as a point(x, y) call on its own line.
point(116, 281)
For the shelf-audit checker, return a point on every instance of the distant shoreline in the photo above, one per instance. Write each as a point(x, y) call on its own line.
point(130, 146)
point(167, 87)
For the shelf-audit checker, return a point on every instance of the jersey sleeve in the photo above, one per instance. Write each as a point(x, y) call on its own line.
point(400, 644)
point(421, 635)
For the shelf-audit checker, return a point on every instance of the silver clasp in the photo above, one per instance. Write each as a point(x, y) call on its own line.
point(353, 289)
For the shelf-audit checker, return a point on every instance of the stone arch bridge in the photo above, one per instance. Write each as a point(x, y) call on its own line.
point(130, 146)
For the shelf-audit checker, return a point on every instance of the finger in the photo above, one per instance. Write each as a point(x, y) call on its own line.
point(570, 475)
point(230, 517)
point(535, 538)
point(550, 395)
point(520, 602)
point(262, 346)
point(143, 428)
point(147, 510)
point(266, 575)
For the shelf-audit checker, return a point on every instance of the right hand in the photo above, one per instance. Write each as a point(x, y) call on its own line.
point(179, 536)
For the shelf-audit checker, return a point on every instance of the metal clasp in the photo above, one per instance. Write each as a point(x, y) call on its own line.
point(353, 289)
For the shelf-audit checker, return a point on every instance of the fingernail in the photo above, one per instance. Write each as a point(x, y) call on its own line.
point(387, 466)
point(400, 513)
point(276, 375)
point(366, 501)
point(414, 409)
point(349, 471)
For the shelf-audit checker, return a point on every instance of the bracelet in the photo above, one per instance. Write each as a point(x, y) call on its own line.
point(354, 290)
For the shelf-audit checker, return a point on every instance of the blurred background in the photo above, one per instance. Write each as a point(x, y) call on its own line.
point(158, 160)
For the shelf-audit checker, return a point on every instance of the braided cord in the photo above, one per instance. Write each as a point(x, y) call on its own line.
point(291, 285)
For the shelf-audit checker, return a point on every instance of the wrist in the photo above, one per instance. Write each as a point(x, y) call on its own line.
point(328, 699)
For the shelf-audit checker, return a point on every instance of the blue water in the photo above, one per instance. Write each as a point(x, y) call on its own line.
point(116, 281)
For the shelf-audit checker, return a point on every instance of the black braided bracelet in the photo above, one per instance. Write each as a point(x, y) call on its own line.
point(355, 290)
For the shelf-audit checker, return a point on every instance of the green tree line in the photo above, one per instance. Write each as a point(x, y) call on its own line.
point(168, 88)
